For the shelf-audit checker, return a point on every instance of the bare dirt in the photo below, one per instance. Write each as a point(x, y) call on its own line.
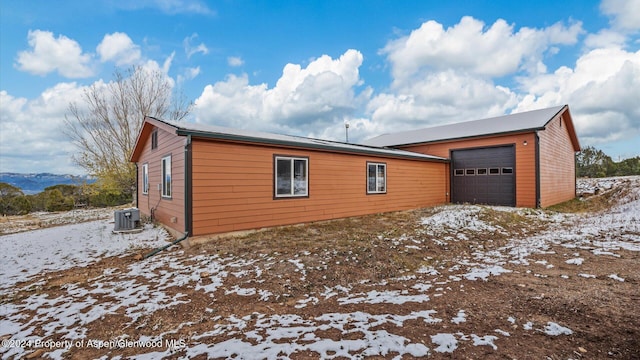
point(603, 313)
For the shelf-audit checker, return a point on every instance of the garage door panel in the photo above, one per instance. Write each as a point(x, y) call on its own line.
point(491, 184)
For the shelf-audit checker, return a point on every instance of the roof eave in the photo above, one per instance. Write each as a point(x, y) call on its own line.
point(254, 140)
point(505, 133)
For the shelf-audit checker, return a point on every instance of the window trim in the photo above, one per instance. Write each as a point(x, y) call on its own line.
point(470, 172)
point(458, 172)
point(145, 179)
point(508, 172)
point(377, 165)
point(166, 188)
point(291, 194)
point(483, 170)
point(492, 173)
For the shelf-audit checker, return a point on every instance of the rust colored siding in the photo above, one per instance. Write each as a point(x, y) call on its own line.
point(233, 187)
point(525, 170)
point(557, 164)
point(169, 211)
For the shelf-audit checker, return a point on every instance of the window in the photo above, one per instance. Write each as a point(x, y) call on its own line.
point(481, 171)
point(458, 172)
point(154, 139)
point(494, 171)
point(470, 172)
point(145, 178)
point(166, 176)
point(507, 171)
point(376, 178)
point(291, 176)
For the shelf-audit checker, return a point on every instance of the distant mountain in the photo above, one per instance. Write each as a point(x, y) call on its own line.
point(35, 183)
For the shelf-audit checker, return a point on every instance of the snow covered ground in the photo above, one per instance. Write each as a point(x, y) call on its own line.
point(29, 324)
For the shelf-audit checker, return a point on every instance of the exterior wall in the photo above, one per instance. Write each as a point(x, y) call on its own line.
point(557, 164)
point(169, 211)
point(233, 187)
point(525, 170)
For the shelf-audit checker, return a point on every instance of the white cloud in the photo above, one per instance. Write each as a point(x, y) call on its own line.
point(471, 47)
point(235, 61)
point(605, 38)
point(302, 101)
point(441, 97)
point(119, 48)
point(190, 49)
point(171, 7)
point(36, 128)
point(625, 14)
point(602, 91)
point(48, 54)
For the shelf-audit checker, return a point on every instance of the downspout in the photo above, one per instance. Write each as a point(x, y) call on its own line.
point(538, 200)
point(187, 200)
point(155, 251)
point(188, 206)
point(135, 197)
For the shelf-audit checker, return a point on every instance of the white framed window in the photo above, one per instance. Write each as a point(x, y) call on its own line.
point(145, 178)
point(291, 176)
point(458, 172)
point(166, 176)
point(376, 178)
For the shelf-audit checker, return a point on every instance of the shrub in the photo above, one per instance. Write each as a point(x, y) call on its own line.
point(13, 201)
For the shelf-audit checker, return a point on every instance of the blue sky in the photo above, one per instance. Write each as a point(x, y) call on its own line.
point(306, 67)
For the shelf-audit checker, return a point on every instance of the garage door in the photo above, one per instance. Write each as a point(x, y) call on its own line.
point(484, 176)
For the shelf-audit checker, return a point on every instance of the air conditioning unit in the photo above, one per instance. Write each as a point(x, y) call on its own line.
point(127, 219)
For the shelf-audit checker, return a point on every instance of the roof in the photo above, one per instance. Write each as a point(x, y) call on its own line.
point(249, 136)
point(507, 124)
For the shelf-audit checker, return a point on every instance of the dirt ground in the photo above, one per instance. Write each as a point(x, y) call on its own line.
point(375, 253)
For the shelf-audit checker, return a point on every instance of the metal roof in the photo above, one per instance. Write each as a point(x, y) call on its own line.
point(231, 134)
point(506, 124)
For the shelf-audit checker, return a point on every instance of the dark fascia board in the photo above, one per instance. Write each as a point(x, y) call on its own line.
point(521, 131)
point(363, 150)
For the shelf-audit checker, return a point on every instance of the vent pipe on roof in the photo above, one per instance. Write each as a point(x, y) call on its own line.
point(346, 130)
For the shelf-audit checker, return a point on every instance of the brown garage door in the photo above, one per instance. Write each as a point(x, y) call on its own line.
point(484, 176)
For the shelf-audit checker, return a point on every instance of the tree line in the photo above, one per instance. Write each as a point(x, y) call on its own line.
point(593, 163)
point(58, 198)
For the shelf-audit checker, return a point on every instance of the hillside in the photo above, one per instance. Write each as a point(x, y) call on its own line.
point(35, 183)
point(452, 281)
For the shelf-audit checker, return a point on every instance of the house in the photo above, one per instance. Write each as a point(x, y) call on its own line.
point(210, 180)
point(204, 180)
point(525, 159)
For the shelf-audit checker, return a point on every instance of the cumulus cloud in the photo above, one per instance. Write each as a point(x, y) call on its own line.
point(442, 97)
point(602, 90)
point(471, 47)
point(39, 123)
point(302, 100)
point(119, 48)
point(190, 49)
point(49, 54)
point(624, 13)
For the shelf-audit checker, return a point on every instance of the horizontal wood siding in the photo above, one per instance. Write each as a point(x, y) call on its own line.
point(164, 210)
point(525, 159)
point(233, 187)
point(557, 164)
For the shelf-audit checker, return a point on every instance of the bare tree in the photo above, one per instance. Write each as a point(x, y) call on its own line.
point(105, 129)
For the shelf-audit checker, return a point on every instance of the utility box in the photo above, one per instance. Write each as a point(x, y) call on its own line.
point(127, 219)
